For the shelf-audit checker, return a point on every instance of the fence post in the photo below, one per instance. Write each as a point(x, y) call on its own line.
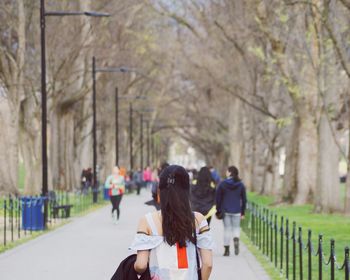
point(5, 208)
point(332, 259)
point(264, 228)
point(287, 248)
point(19, 216)
point(309, 251)
point(271, 238)
point(346, 263)
point(300, 240)
point(294, 250)
point(253, 224)
point(320, 255)
point(267, 232)
point(256, 226)
point(16, 212)
point(281, 237)
point(11, 216)
point(276, 233)
point(260, 235)
point(24, 210)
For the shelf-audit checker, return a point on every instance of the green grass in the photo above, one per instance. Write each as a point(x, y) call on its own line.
point(265, 263)
point(21, 177)
point(334, 226)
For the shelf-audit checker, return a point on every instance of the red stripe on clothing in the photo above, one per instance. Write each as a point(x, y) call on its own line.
point(181, 256)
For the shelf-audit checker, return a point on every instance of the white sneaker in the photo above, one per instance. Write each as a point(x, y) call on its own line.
point(115, 218)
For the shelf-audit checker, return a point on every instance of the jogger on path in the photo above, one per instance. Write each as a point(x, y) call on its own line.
point(116, 185)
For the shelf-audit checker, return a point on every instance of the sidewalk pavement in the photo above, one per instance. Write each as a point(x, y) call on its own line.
point(91, 247)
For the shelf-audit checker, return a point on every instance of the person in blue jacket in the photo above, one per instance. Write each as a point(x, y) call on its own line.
point(231, 202)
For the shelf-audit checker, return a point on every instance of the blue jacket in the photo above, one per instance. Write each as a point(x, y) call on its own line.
point(231, 197)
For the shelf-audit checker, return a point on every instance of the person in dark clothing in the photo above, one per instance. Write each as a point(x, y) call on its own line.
point(231, 201)
point(137, 180)
point(203, 193)
point(126, 270)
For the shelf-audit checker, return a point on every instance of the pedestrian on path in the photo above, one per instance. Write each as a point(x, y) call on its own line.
point(147, 177)
point(231, 203)
point(137, 180)
point(167, 240)
point(116, 184)
point(203, 194)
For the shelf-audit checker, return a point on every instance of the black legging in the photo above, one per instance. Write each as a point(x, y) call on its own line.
point(115, 200)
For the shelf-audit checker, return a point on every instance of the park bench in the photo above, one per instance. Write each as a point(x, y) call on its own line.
point(57, 207)
point(65, 210)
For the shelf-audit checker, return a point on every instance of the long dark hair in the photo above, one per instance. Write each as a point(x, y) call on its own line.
point(233, 170)
point(177, 218)
point(204, 177)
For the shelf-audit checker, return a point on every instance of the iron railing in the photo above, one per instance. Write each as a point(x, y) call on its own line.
point(15, 218)
point(274, 236)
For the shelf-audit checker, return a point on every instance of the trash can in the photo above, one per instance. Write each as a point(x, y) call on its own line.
point(32, 213)
point(106, 193)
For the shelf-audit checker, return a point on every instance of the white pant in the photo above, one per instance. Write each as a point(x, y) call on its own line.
point(232, 224)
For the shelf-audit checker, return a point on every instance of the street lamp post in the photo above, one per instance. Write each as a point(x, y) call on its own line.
point(141, 141)
point(43, 14)
point(130, 135)
point(116, 127)
point(94, 129)
point(148, 144)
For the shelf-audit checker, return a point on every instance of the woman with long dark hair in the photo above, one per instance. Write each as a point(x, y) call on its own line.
point(203, 193)
point(167, 240)
point(231, 203)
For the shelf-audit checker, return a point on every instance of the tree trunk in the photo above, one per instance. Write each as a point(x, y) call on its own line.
point(327, 195)
point(235, 133)
point(62, 151)
point(290, 167)
point(347, 192)
point(258, 160)
point(30, 145)
point(306, 160)
point(247, 154)
point(9, 148)
point(347, 186)
point(83, 138)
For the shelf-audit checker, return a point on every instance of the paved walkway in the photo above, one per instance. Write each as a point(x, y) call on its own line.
point(91, 248)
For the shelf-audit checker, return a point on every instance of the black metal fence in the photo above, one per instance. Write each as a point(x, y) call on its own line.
point(18, 217)
point(282, 243)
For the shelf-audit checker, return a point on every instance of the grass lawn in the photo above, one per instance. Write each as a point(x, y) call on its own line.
point(334, 226)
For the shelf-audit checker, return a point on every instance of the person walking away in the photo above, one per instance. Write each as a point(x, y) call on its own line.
point(203, 194)
point(137, 179)
point(116, 184)
point(147, 177)
point(167, 240)
point(83, 181)
point(231, 202)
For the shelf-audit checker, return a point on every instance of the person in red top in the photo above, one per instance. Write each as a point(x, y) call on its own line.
point(147, 177)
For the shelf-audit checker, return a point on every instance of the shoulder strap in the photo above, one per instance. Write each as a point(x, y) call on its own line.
point(151, 223)
point(197, 256)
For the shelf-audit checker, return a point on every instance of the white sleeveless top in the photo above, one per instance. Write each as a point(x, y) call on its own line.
point(171, 262)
